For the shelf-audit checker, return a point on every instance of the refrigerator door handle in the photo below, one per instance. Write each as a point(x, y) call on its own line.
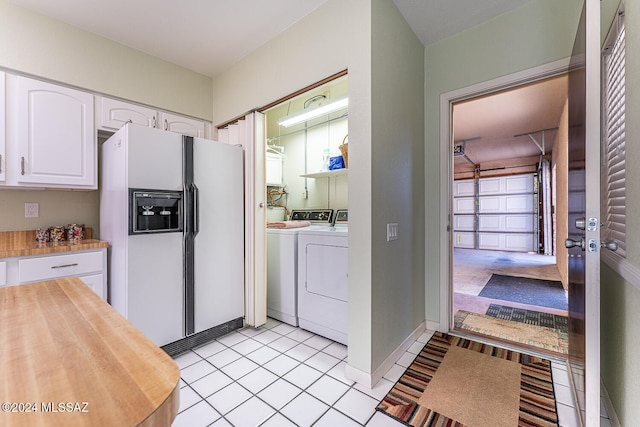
point(196, 210)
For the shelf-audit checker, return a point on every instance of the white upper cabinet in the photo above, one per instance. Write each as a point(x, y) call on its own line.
point(55, 139)
point(183, 125)
point(113, 114)
point(3, 129)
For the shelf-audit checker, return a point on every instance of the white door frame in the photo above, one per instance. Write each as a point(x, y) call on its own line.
point(446, 168)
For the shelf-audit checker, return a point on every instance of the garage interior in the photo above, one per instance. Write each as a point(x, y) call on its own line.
point(510, 207)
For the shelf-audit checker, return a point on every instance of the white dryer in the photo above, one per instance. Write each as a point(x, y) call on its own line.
point(323, 283)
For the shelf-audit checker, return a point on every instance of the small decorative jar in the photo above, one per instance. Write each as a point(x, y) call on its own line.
point(56, 234)
point(42, 235)
point(75, 232)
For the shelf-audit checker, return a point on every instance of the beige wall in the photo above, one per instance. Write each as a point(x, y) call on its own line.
point(38, 46)
point(560, 163)
point(397, 181)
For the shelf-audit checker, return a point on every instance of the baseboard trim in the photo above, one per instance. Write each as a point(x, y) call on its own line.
point(611, 412)
point(433, 326)
point(369, 380)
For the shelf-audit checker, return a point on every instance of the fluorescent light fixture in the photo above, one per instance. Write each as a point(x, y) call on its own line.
point(316, 112)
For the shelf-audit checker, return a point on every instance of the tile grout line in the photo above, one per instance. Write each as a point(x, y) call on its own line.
point(245, 356)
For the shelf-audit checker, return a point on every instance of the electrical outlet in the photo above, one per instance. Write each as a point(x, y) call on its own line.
point(31, 210)
point(305, 194)
point(392, 232)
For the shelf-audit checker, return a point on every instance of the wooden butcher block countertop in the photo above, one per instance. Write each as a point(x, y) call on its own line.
point(71, 360)
point(23, 243)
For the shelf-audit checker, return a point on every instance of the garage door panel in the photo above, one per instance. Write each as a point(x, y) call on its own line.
point(522, 223)
point(464, 240)
point(518, 184)
point(463, 205)
point(505, 212)
point(463, 188)
point(517, 242)
point(489, 186)
point(521, 203)
point(464, 222)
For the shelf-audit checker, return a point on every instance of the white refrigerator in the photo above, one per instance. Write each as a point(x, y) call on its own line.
point(171, 207)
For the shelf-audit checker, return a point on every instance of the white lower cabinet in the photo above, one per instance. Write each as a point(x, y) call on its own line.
point(89, 266)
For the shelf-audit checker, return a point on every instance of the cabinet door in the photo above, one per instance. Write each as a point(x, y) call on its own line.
point(96, 283)
point(3, 273)
point(114, 114)
point(3, 157)
point(183, 125)
point(56, 142)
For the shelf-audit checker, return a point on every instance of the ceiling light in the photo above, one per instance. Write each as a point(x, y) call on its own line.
point(316, 112)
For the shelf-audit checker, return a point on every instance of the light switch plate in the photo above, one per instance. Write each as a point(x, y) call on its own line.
point(392, 232)
point(31, 210)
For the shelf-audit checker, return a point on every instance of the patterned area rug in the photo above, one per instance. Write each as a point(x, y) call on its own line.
point(406, 401)
point(536, 336)
point(530, 317)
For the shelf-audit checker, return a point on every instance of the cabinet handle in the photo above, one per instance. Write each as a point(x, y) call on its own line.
point(166, 124)
point(65, 265)
point(154, 122)
point(22, 165)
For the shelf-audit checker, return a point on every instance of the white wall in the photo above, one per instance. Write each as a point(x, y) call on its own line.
point(34, 44)
point(324, 193)
point(42, 47)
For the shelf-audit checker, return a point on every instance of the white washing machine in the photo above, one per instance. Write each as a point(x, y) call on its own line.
point(323, 282)
point(282, 265)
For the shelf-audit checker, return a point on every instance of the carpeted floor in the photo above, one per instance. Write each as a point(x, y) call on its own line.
point(544, 293)
point(456, 382)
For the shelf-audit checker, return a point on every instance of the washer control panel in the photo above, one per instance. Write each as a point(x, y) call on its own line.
point(322, 216)
point(342, 216)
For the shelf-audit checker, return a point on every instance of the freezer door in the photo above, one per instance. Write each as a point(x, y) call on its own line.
point(219, 242)
point(154, 158)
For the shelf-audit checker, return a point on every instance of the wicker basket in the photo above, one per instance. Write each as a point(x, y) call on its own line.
point(344, 149)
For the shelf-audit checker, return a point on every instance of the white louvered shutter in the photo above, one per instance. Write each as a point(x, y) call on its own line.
point(614, 138)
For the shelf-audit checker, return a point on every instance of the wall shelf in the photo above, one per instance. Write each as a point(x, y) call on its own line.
point(326, 174)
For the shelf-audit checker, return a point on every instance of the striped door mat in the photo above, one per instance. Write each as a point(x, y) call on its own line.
point(460, 382)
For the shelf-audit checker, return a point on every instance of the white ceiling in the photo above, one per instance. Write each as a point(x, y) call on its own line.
point(208, 36)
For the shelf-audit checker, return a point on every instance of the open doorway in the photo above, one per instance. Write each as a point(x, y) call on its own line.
point(509, 199)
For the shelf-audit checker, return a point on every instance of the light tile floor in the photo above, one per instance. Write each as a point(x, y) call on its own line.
point(280, 376)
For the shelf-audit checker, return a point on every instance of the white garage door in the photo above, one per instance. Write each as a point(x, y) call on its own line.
point(501, 216)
